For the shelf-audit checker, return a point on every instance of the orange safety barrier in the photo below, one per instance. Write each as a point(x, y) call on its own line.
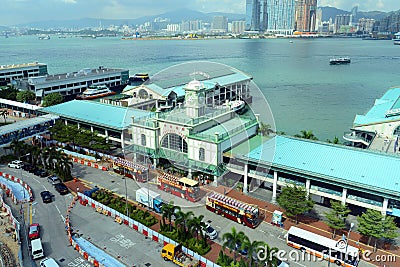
point(104, 168)
point(89, 164)
point(82, 162)
point(96, 263)
point(75, 160)
point(85, 255)
point(96, 166)
point(77, 247)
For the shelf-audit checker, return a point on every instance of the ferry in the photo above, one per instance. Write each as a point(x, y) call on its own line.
point(396, 39)
point(44, 37)
point(95, 91)
point(140, 77)
point(339, 60)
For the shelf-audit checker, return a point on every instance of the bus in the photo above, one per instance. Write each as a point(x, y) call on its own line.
point(233, 209)
point(129, 169)
point(182, 187)
point(336, 251)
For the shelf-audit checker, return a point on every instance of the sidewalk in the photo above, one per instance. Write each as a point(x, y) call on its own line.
point(316, 226)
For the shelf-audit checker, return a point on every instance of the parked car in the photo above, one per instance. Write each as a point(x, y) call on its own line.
point(41, 173)
point(34, 231)
point(17, 164)
point(61, 188)
point(53, 179)
point(28, 167)
point(46, 196)
point(48, 262)
point(210, 232)
point(282, 263)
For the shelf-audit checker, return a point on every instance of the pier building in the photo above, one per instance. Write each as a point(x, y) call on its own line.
point(12, 72)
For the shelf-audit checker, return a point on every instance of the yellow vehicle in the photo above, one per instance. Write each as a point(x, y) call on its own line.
point(175, 254)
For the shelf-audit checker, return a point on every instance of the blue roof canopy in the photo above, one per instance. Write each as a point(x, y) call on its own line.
point(109, 116)
point(341, 164)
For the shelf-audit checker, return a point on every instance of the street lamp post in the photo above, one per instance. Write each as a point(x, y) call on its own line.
point(147, 180)
point(348, 236)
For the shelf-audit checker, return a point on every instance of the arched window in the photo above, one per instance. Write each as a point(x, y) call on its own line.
point(202, 154)
point(143, 139)
point(174, 142)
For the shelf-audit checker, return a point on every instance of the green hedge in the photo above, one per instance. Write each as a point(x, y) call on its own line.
point(117, 203)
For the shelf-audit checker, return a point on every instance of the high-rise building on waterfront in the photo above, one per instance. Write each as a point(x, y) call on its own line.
point(280, 16)
point(365, 25)
point(256, 15)
point(238, 26)
point(341, 21)
point(305, 15)
point(220, 24)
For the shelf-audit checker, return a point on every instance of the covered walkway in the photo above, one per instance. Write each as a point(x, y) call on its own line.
point(24, 129)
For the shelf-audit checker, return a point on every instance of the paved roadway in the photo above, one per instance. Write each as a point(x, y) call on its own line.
point(272, 235)
point(132, 247)
point(101, 230)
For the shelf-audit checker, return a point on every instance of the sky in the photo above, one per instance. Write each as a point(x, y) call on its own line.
point(14, 12)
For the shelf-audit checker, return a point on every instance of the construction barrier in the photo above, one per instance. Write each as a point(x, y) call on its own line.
point(153, 235)
point(11, 193)
point(90, 164)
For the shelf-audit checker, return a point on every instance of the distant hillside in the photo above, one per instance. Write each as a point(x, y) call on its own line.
point(176, 16)
point(331, 12)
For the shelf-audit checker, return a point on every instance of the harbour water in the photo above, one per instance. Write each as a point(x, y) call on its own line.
point(302, 89)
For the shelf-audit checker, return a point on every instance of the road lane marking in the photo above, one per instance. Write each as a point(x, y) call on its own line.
point(298, 264)
point(62, 217)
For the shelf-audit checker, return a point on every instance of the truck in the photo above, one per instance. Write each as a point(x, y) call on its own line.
point(149, 199)
point(175, 254)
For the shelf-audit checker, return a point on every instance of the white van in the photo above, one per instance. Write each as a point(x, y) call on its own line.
point(48, 262)
point(37, 249)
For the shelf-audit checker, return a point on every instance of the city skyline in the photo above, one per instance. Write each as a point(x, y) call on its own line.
point(24, 11)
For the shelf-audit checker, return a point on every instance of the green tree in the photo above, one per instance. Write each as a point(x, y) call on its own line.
point(264, 129)
point(25, 96)
point(269, 253)
point(373, 224)
point(182, 220)
point(52, 99)
point(10, 93)
point(232, 239)
point(168, 210)
point(335, 140)
point(336, 218)
point(306, 135)
point(4, 113)
point(252, 248)
point(294, 200)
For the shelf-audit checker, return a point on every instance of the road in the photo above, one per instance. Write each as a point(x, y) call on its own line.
point(272, 235)
point(101, 230)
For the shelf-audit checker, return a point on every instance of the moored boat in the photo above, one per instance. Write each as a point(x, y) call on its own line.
point(95, 91)
point(339, 60)
point(236, 105)
point(140, 77)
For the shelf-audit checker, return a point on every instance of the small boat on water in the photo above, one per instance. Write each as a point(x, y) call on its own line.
point(95, 91)
point(44, 37)
point(236, 105)
point(396, 39)
point(339, 60)
point(140, 77)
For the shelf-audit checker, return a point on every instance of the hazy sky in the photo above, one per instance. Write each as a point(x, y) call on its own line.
point(21, 11)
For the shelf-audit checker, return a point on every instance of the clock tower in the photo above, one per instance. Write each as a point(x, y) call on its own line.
point(195, 99)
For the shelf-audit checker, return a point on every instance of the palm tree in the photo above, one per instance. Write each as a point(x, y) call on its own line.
point(182, 220)
point(306, 135)
point(4, 113)
point(35, 153)
point(265, 129)
point(252, 247)
point(196, 225)
point(168, 210)
point(231, 240)
point(64, 165)
point(270, 255)
point(18, 147)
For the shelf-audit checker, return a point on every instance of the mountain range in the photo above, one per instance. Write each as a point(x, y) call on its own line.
point(176, 16)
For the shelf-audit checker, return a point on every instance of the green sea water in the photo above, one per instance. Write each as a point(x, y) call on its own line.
point(302, 89)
